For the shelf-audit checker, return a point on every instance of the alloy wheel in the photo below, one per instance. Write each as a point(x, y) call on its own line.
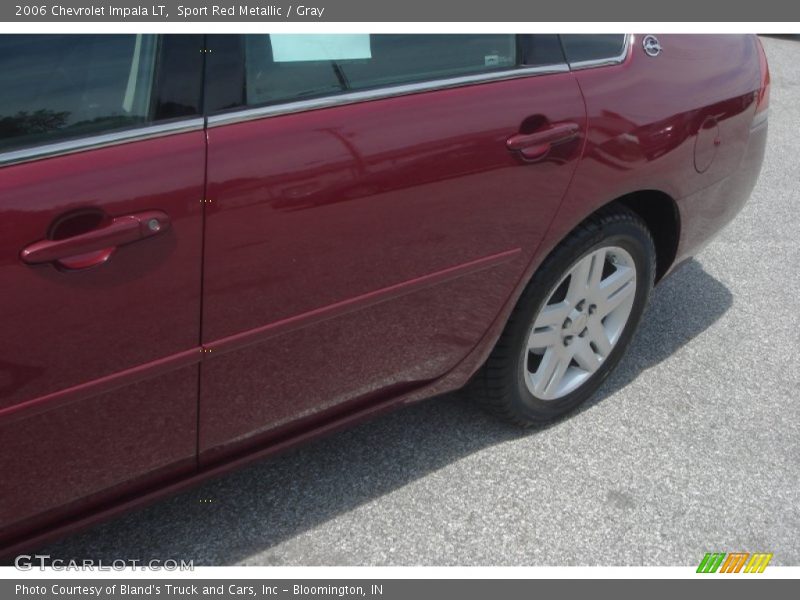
point(580, 323)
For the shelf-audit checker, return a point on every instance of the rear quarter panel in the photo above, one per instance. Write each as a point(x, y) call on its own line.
point(679, 123)
point(644, 116)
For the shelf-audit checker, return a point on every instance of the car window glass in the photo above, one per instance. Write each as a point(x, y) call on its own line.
point(540, 50)
point(584, 47)
point(293, 67)
point(57, 87)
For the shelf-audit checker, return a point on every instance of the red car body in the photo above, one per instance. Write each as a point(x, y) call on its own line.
point(319, 266)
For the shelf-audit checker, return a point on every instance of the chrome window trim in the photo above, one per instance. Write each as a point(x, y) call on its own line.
point(627, 44)
point(100, 141)
point(274, 110)
point(247, 114)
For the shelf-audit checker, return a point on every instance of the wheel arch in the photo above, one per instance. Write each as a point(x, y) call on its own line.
point(660, 213)
point(657, 209)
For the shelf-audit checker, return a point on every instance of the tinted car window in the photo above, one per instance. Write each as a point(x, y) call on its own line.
point(291, 67)
point(179, 77)
point(225, 80)
point(579, 48)
point(61, 86)
point(540, 50)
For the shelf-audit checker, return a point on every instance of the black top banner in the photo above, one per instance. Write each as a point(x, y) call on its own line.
point(407, 10)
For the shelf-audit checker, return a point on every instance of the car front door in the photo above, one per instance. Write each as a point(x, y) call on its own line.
point(102, 157)
point(372, 202)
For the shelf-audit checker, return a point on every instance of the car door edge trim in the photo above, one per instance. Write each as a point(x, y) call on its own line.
point(274, 110)
point(101, 141)
point(606, 62)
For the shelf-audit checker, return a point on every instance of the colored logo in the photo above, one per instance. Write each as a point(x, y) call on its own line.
point(734, 562)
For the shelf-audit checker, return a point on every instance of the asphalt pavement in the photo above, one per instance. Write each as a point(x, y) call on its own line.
point(691, 446)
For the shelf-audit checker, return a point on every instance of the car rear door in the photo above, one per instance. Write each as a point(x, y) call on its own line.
point(372, 202)
point(102, 158)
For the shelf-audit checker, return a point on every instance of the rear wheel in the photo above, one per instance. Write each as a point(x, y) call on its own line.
point(573, 322)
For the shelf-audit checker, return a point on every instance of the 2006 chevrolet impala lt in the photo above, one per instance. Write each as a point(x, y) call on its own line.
point(214, 247)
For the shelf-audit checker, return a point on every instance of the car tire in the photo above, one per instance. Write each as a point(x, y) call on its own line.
point(551, 356)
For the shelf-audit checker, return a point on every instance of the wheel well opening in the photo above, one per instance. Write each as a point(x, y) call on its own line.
point(660, 214)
